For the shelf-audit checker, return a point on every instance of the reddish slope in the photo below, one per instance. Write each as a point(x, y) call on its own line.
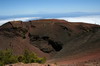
point(56, 39)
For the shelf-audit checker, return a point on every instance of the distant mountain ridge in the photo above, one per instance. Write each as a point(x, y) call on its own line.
point(53, 15)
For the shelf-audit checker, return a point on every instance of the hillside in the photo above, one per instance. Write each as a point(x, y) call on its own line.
point(58, 40)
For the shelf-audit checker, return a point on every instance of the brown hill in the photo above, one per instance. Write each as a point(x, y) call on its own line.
point(58, 40)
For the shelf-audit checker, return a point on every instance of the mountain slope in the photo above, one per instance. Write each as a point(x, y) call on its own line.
point(51, 38)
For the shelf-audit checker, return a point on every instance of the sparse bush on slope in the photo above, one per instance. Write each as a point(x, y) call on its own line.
point(6, 57)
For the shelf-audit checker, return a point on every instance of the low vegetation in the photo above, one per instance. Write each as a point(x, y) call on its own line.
point(6, 57)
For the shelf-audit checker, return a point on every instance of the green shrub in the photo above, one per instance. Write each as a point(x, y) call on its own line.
point(41, 60)
point(12, 59)
point(30, 57)
point(20, 58)
point(6, 57)
point(1, 63)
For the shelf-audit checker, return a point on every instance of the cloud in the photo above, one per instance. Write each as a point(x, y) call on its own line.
point(18, 19)
point(86, 19)
point(95, 19)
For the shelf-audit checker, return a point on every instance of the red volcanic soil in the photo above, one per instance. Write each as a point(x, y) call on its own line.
point(60, 41)
point(83, 59)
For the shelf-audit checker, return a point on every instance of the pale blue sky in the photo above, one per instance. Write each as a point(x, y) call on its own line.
point(23, 7)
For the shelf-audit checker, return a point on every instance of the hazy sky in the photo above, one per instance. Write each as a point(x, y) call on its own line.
point(20, 7)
